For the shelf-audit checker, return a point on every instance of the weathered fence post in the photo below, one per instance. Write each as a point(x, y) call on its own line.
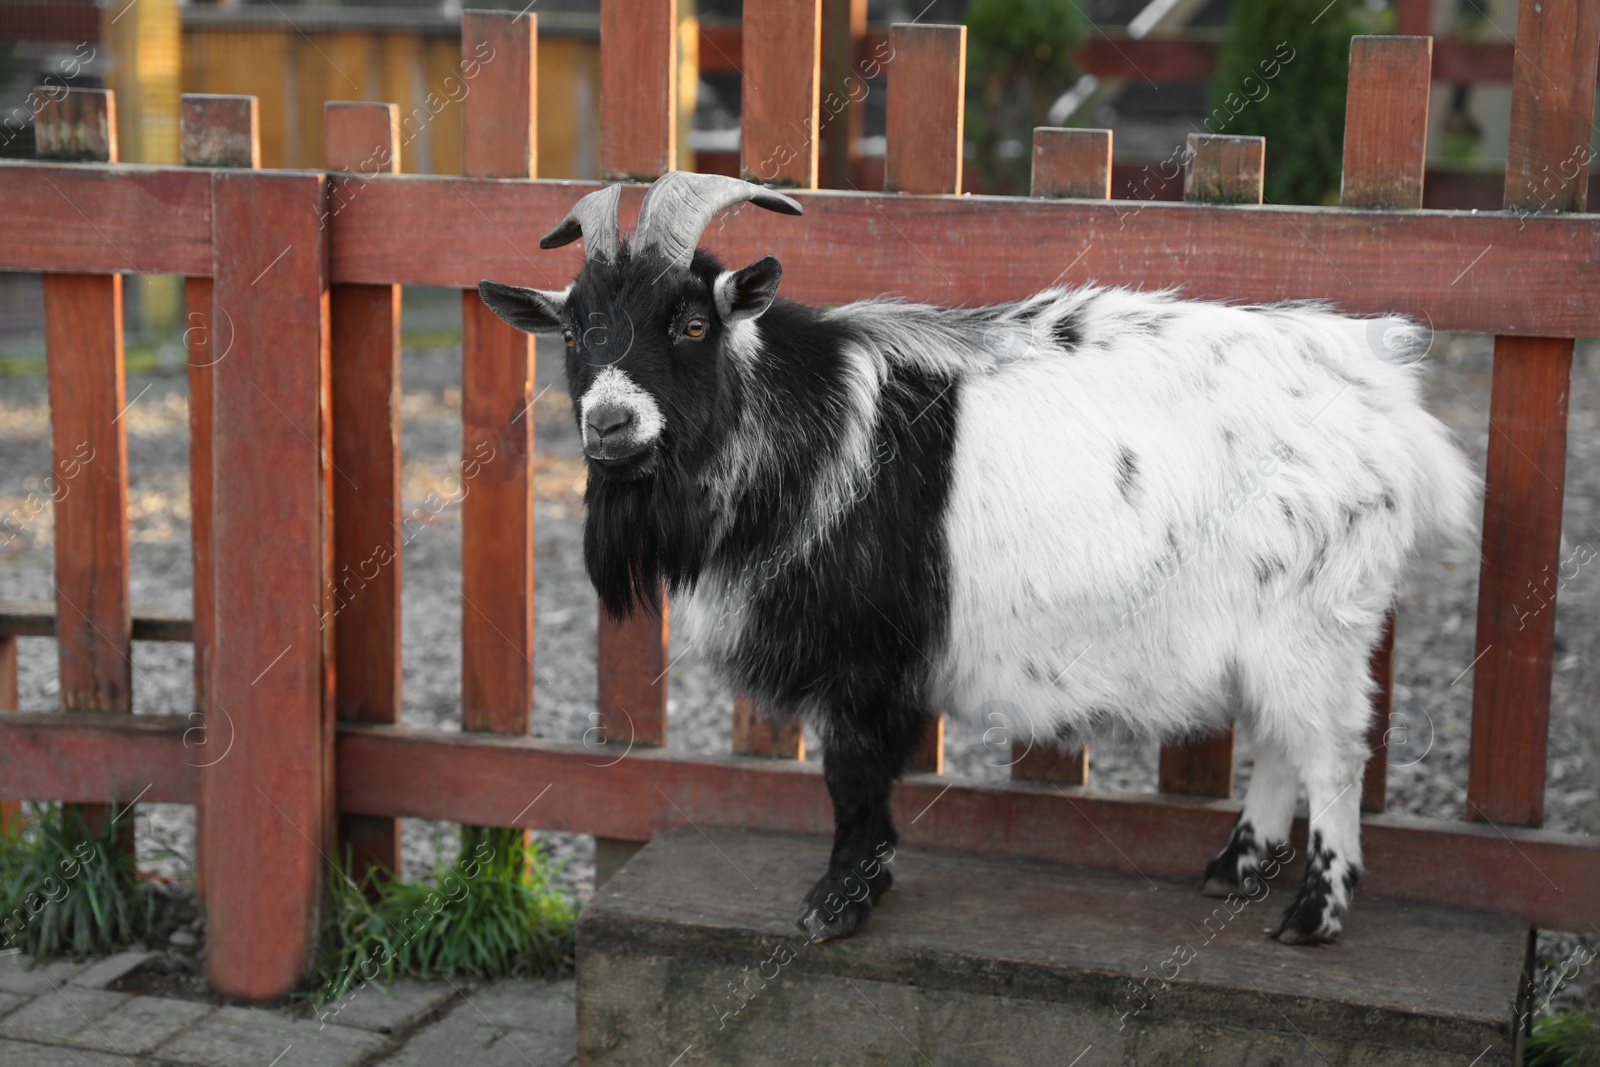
point(778, 124)
point(638, 88)
point(1385, 154)
point(1219, 169)
point(1076, 164)
point(638, 139)
point(1552, 106)
point(778, 144)
point(269, 799)
point(840, 114)
point(216, 131)
point(923, 142)
point(499, 140)
point(89, 444)
point(363, 141)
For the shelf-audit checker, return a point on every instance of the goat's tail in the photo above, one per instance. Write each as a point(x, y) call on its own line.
point(1449, 491)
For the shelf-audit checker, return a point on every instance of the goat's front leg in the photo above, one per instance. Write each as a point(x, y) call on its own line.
point(860, 764)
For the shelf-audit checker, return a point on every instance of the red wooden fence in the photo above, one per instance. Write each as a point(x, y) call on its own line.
point(293, 281)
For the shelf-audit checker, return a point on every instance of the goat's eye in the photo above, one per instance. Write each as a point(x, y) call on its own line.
point(570, 338)
point(695, 328)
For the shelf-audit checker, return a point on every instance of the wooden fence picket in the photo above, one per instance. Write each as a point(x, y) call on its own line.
point(363, 141)
point(1072, 163)
point(89, 444)
point(269, 799)
point(1219, 169)
point(215, 131)
point(1385, 155)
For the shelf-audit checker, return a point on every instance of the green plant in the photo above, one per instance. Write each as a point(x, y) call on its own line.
point(1299, 107)
point(1019, 61)
point(494, 911)
point(69, 888)
point(1566, 1038)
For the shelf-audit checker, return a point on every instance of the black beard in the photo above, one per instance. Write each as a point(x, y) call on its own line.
point(641, 533)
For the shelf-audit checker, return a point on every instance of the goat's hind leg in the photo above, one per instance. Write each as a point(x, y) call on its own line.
point(1332, 775)
point(1261, 832)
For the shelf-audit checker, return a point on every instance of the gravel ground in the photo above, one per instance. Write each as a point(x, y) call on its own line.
point(1434, 648)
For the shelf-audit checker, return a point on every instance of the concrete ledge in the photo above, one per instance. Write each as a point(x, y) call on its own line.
point(687, 956)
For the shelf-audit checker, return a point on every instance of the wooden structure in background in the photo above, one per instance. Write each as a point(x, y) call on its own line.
point(279, 262)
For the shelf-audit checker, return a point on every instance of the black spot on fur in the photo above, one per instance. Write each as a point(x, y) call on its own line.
point(1388, 502)
point(1067, 331)
point(1287, 510)
point(1127, 472)
point(1268, 569)
point(1296, 392)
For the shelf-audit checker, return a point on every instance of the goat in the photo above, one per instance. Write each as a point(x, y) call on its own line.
point(1101, 506)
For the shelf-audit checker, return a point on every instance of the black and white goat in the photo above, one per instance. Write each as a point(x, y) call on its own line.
point(1100, 506)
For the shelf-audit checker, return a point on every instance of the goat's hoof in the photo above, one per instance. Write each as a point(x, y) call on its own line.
point(1220, 879)
point(1308, 920)
point(840, 903)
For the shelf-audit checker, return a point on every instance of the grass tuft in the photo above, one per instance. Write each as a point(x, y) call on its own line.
point(68, 890)
point(1566, 1038)
point(494, 911)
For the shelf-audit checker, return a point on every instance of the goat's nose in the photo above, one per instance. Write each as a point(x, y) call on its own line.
point(607, 419)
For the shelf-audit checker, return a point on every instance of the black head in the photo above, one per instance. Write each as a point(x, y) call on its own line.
point(650, 351)
point(654, 332)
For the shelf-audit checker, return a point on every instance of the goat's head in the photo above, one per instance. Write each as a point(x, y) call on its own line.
point(649, 321)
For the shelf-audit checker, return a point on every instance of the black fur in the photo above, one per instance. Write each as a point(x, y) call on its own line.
point(850, 633)
point(1127, 472)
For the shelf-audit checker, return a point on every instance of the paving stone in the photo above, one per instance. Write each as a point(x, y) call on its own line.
point(19, 975)
point(27, 1054)
point(112, 969)
point(529, 1004)
point(387, 1011)
point(66, 1017)
point(462, 1036)
point(527, 1046)
point(8, 1001)
point(140, 1025)
point(240, 1037)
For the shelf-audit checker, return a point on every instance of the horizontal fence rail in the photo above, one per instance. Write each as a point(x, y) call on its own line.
point(1551, 879)
point(1438, 266)
point(316, 338)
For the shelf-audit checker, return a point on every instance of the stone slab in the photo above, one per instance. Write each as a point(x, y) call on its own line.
point(529, 1004)
point(143, 1024)
point(689, 951)
point(20, 974)
point(387, 1011)
point(62, 1016)
point(469, 1034)
point(240, 1037)
point(107, 972)
point(27, 1054)
point(10, 1002)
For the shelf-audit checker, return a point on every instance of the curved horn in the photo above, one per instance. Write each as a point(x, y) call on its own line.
point(594, 218)
point(680, 205)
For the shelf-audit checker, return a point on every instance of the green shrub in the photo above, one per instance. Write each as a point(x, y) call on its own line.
point(67, 890)
point(1300, 109)
point(1566, 1038)
point(1019, 60)
point(494, 911)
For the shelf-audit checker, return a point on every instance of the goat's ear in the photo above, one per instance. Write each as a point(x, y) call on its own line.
point(529, 310)
point(744, 294)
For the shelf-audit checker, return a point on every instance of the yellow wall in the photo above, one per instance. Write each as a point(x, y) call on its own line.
point(294, 74)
